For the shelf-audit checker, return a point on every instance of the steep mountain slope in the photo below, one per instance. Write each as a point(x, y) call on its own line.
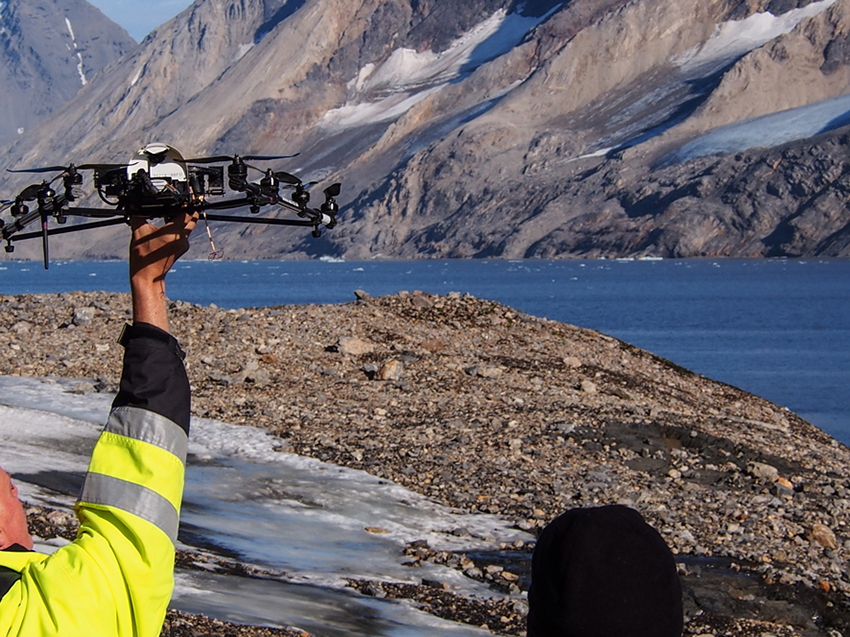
point(594, 127)
point(49, 49)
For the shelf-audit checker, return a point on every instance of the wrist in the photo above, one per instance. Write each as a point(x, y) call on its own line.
point(149, 303)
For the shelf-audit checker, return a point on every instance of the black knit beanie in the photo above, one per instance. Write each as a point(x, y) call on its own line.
point(603, 572)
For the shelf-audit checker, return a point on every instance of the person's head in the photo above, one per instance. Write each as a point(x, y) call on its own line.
point(603, 572)
point(13, 520)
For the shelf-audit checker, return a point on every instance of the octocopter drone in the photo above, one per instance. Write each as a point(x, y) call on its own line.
point(159, 183)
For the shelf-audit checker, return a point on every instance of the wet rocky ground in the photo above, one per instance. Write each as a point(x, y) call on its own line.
point(486, 409)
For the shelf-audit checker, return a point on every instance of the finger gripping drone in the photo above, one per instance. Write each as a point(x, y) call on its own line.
point(158, 183)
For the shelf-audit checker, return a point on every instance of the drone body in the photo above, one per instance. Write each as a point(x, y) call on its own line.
point(159, 182)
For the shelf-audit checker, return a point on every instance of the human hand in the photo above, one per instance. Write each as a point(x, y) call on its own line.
point(153, 250)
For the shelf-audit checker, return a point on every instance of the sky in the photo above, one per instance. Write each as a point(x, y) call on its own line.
point(140, 17)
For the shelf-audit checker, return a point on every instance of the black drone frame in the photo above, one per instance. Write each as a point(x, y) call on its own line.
point(137, 196)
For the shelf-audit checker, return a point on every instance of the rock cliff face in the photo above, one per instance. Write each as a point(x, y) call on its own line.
point(49, 49)
point(493, 129)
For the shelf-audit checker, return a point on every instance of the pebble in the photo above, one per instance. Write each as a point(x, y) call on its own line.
point(764, 472)
point(391, 370)
point(353, 346)
point(823, 535)
point(588, 387)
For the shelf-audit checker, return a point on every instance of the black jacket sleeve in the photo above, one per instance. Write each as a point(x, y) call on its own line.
point(153, 376)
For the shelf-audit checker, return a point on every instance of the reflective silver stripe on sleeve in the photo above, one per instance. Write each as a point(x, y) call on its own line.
point(150, 427)
point(133, 498)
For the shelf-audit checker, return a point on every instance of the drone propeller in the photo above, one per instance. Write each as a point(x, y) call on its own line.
point(288, 178)
point(70, 168)
point(30, 193)
point(216, 159)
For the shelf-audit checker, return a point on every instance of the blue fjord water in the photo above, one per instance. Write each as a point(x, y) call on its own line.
point(776, 328)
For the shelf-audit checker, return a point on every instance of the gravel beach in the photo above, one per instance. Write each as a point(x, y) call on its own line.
point(486, 409)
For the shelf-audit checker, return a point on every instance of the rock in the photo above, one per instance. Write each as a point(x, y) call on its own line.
point(785, 482)
point(219, 377)
point(376, 530)
point(353, 346)
point(764, 472)
point(374, 589)
point(621, 393)
point(83, 387)
point(823, 535)
point(588, 387)
point(253, 373)
point(421, 302)
point(391, 370)
point(433, 345)
point(83, 316)
point(21, 327)
point(571, 362)
point(489, 371)
point(370, 369)
point(362, 295)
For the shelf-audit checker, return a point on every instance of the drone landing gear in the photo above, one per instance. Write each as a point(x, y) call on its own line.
point(214, 254)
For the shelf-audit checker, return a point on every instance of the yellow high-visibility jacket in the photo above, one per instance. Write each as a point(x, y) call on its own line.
point(116, 578)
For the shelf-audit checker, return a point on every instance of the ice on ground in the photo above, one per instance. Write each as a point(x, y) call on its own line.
point(733, 39)
point(767, 130)
point(312, 522)
point(319, 611)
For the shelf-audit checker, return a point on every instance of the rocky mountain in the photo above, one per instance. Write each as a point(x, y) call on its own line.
point(492, 128)
point(49, 49)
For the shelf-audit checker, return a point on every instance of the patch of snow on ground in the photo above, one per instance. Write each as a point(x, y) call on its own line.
point(736, 38)
point(315, 523)
point(767, 130)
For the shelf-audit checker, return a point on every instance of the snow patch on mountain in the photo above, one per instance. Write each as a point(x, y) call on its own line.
point(407, 76)
point(243, 50)
point(137, 76)
point(734, 39)
point(79, 55)
point(767, 130)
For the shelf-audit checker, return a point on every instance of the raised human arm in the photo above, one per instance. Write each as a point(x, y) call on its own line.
point(117, 577)
point(153, 250)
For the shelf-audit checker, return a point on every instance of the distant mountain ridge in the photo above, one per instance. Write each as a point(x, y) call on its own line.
point(49, 49)
point(494, 129)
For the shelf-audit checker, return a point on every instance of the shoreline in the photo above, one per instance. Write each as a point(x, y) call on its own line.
point(486, 409)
